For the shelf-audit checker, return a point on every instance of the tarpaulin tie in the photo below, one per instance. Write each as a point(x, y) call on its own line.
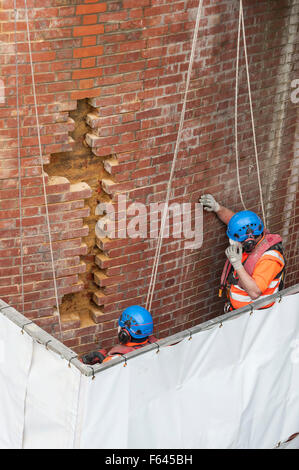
point(125, 358)
point(74, 357)
point(93, 376)
point(25, 324)
point(3, 308)
point(46, 344)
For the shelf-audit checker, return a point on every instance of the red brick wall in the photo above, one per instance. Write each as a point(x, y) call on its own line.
point(130, 59)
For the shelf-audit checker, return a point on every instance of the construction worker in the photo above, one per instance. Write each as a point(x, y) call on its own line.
point(255, 263)
point(135, 328)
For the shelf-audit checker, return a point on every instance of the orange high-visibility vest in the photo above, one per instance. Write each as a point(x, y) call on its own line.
point(271, 264)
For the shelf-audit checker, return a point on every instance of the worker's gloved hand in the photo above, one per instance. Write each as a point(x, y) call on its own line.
point(234, 255)
point(92, 358)
point(209, 202)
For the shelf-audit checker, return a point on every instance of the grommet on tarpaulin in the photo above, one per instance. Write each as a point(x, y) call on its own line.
point(74, 357)
point(29, 323)
point(190, 337)
point(46, 344)
point(221, 325)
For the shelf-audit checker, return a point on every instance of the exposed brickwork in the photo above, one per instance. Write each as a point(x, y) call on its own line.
point(130, 59)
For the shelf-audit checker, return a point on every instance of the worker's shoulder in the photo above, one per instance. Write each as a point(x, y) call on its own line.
point(271, 255)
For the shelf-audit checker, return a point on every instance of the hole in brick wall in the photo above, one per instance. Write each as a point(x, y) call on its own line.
point(81, 165)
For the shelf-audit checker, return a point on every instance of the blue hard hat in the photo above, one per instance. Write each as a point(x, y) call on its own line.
point(137, 320)
point(243, 224)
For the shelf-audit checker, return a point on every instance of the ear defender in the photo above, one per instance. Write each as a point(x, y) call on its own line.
point(124, 336)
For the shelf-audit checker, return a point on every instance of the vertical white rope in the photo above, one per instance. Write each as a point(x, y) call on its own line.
point(251, 113)
point(42, 166)
point(19, 160)
point(178, 141)
point(236, 107)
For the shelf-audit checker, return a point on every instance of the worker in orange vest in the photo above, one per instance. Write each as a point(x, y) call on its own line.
point(255, 263)
point(135, 330)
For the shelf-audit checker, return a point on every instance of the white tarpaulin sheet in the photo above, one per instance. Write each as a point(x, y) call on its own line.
point(15, 361)
point(38, 393)
point(51, 402)
point(230, 387)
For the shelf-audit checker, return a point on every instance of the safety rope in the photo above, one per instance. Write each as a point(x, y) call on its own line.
point(169, 186)
point(42, 166)
point(241, 21)
point(19, 160)
point(236, 107)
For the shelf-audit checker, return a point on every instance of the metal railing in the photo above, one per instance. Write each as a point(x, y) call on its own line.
point(51, 343)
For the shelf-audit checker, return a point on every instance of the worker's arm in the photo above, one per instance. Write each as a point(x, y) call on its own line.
point(234, 254)
point(248, 283)
point(211, 205)
point(224, 214)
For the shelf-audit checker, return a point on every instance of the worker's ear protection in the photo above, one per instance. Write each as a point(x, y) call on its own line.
point(124, 336)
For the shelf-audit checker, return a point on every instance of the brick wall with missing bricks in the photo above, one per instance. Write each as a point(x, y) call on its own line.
point(110, 78)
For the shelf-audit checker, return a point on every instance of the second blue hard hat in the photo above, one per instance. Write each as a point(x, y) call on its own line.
point(137, 320)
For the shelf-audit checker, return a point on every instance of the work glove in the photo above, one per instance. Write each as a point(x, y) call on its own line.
point(209, 202)
point(234, 255)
